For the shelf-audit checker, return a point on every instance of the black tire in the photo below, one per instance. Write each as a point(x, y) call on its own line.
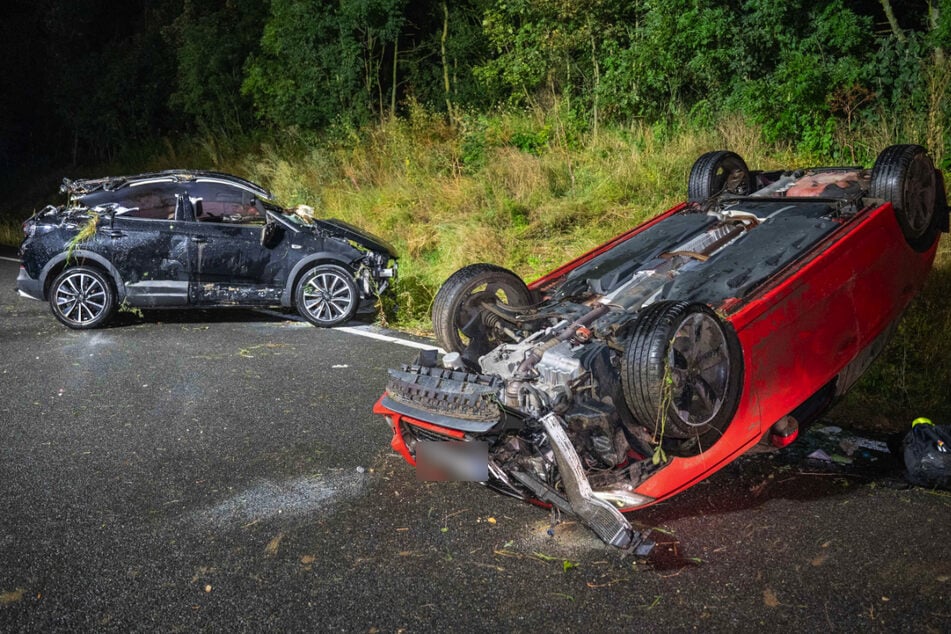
point(719, 172)
point(82, 297)
point(669, 340)
point(327, 296)
point(905, 176)
point(457, 306)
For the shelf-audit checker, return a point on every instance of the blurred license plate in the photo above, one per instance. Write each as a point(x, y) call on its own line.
point(452, 460)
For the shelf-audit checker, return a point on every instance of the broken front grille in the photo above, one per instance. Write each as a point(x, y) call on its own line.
point(418, 433)
point(446, 392)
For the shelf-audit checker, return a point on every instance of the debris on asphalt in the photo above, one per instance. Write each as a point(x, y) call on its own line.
point(272, 546)
point(13, 596)
point(819, 454)
point(832, 448)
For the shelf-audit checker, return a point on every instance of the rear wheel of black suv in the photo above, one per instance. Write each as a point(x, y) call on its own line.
point(327, 296)
point(81, 297)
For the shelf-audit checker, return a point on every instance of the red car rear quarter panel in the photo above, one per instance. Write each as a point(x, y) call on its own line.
point(800, 332)
point(681, 473)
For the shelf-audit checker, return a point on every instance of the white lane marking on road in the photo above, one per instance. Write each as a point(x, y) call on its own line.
point(364, 331)
point(2, 257)
point(360, 331)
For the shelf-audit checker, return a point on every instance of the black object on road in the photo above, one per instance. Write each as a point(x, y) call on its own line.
point(927, 451)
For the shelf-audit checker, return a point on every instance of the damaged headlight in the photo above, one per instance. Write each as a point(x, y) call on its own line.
point(375, 274)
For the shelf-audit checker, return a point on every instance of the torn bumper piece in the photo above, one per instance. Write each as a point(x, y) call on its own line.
point(454, 395)
point(600, 516)
point(425, 404)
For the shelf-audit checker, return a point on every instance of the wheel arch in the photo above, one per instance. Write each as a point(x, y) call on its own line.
point(309, 262)
point(81, 257)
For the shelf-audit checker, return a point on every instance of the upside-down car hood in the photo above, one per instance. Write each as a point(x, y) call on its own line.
point(349, 232)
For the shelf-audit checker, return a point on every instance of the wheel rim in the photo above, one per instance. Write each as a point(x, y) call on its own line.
point(699, 364)
point(919, 196)
point(730, 177)
point(81, 298)
point(472, 306)
point(327, 297)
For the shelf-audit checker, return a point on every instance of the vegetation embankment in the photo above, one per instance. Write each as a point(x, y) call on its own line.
point(520, 191)
point(513, 190)
point(520, 132)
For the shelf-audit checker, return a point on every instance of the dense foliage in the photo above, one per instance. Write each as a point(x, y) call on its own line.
point(88, 79)
point(520, 132)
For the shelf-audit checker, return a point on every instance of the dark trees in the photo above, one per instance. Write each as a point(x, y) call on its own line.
point(89, 79)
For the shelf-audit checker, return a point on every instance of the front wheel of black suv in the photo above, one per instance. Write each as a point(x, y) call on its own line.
point(327, 296)
point(81, 297)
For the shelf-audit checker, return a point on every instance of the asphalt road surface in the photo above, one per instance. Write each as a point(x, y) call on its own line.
point(223, 471)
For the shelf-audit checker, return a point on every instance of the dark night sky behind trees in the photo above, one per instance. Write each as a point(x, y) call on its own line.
point(87, 81)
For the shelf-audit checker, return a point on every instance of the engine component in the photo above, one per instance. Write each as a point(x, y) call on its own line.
point(559, 366)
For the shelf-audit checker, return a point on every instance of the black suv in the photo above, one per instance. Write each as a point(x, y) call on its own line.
point(180, 239)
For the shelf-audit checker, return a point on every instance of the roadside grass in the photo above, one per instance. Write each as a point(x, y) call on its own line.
point(11, 232)
point(529, 191)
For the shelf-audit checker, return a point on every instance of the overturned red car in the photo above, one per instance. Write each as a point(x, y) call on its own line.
point(644, 366)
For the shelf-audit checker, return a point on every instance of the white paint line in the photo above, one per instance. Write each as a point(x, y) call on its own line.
point(360, 331)
point(364, 331)
point(9, 259)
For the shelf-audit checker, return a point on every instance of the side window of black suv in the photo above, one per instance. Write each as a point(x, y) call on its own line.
point(151, 202)
point(215, 202)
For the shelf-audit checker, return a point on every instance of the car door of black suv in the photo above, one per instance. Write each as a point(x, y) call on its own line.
point(228, 263)
point(147, 248)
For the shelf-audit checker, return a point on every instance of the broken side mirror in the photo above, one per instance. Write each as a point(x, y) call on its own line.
point(271, 234)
